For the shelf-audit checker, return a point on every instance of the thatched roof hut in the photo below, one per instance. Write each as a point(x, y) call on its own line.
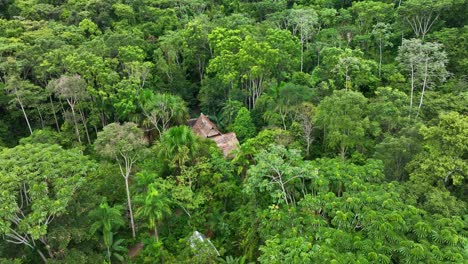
point(203, 127)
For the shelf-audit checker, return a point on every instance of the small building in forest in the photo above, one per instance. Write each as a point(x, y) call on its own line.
point(203, 127)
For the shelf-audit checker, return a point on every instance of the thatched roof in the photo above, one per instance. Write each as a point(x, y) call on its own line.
point(227, 142)
point(203, 127)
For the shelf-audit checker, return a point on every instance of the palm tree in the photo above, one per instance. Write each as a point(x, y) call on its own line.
point(163, 110)
point(178, 144)
point(106, 219)
point(154, 208)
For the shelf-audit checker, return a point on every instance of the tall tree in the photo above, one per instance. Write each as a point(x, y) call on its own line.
point(25, 94)
point(177, 146)
point(288, 47)
point(388, 109)
point(73, 90)
point(421, 15)
point(38, 181)
point(370, 13)
point(154, 208)
point(163, 110)
point(196, 44)
point(303, 23)
point(343, 118)
point(243, 63)
point(126, 145)
point(382, 33)
point(442, 167)
point(305, 114)
point(280, 173)
point(106, 219)
point(452, 39)
point(425, 64)
point(347, 68)
point(243, 125)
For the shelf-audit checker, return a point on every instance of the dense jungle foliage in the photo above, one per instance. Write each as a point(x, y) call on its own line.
point(351, 117)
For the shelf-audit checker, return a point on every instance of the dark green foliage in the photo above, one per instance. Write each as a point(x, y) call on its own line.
point(344, 121)
point(39, 183)
point(243, 125)
point(350, 116)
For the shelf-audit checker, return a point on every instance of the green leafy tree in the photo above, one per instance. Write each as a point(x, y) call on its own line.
point(242, 62)
point(288, 47)
point(388, 109)
point(397, 151)
point(100, 75)
point(280, 173)
point(155, 206)
point(89, 28)
point(425, 64)
point(343, 119)
point(442, 166)
point(370, 13)
point(382, 34)
point(39, 182)
point(243, 125)
point(229, 112)
point(452, 39)
point(168, 58)
point(367, 221)
point(346, 67)
point(305, 114)
point(303, 23)
point(107, 219)
point(125, 145)
point(422, 15)
point(73, 90)
point(163, 110)
point(437, 102)
point(177, 146)
point(246, 152)
point(25, 94)
point(196, 43)
point(282, 100)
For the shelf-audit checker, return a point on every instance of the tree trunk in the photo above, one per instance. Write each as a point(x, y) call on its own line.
point(380, 57)
point(83, 120)
point(200, 70)
point(42, 255)
point(40, 117)
point(421, 101)
point(284, 193)
point(55, 115)
point(412, 89)
point(302, 55)
point(343, 153)
point(77, 132)
point(24, 113)
point(156, 234)
point(283, 119)
point(346, 79)
point(423, 88)
point(109, 253)
point(129, 201)
point(318, 57)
